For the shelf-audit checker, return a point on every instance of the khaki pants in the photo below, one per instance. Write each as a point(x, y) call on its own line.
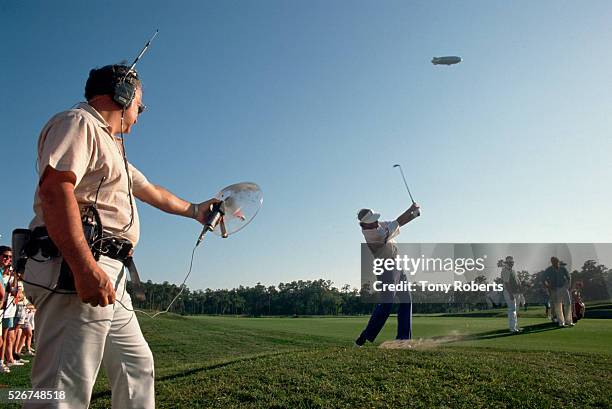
point(562, 305)
point(512, 303)
point(73, 339)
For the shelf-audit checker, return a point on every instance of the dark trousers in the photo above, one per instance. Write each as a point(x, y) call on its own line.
point(380, 315)
point(383, 309)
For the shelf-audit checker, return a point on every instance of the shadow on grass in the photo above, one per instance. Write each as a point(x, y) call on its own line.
point(437, 341)
point(193, 371)
point(500, 333)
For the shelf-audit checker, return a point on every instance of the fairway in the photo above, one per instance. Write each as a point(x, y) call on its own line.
point(310, 362)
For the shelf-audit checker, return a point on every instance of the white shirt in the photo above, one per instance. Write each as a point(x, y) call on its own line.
point(508, 274)
point(384, 238)
point(386, 232)
point(11, 308)
point(510, 279)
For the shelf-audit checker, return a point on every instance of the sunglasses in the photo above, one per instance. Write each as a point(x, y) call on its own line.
point(5, 256)
point(141, 108)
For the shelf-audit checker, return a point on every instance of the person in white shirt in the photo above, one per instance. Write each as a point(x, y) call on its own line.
point(511, 293)
point(9, 309)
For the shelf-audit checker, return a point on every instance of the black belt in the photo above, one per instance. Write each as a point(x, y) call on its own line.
point(117, 249)
point(112, 247)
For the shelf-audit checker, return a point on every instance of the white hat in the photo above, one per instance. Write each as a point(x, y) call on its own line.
point(367, 216)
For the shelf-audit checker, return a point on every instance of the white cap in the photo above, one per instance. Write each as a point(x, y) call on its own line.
point(367, 216)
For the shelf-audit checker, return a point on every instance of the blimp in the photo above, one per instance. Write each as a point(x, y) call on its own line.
point(448, 60)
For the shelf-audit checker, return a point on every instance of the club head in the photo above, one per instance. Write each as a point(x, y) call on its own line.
point(396, 166)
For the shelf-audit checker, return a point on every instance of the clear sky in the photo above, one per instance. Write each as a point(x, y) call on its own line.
point(315, 101)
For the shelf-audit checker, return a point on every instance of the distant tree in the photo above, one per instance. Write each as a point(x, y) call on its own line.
point(524, 279)
point(592, 276)
point(536, 292)
point(320, 297)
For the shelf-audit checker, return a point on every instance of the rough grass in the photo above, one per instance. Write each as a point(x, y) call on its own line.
point(349, 378)
point(310, 363)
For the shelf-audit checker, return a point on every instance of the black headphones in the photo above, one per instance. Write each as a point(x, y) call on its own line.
point(125, 88)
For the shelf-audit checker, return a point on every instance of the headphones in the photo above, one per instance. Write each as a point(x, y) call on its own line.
point(125, 89)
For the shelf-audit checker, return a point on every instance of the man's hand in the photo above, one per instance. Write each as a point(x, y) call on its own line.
point(94, 288)
point(412, 213)
point(203, 210)
point(63, 220)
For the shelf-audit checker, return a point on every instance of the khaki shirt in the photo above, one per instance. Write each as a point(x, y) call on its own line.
point(79, 140)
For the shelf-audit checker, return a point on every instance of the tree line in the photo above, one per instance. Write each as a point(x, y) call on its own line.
point(321, 297)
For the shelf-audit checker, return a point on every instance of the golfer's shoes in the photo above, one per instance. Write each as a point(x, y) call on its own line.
point(4, 368)
point(516, 330)
point(15, 363)
point(359, 342)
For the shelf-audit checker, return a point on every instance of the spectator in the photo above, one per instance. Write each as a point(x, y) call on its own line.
point(557, 280)
point(4, 254)
point(20, 316)
point(8, 308)
point(511, 292)
point(28, 331)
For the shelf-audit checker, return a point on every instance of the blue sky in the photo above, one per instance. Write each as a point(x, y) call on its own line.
point(315, 101)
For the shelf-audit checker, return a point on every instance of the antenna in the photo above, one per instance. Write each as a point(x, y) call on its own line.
point(144, 49)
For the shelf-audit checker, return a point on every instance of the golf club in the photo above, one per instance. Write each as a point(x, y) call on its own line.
point(405, 183)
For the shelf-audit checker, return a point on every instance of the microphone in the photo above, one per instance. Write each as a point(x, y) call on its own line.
point(217, 211)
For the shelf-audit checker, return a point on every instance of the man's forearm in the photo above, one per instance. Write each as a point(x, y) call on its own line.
point(63, 221)
point(406, 217)
point(166, 201)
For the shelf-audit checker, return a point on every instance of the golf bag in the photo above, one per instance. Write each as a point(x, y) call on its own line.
point(578, 307)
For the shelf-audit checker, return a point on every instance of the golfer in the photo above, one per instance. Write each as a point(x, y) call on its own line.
point(381, 236)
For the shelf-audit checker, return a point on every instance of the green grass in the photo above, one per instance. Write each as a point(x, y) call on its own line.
point(310, 363)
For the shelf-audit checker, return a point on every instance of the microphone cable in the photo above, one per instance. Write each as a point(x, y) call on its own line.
point(182, 287)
